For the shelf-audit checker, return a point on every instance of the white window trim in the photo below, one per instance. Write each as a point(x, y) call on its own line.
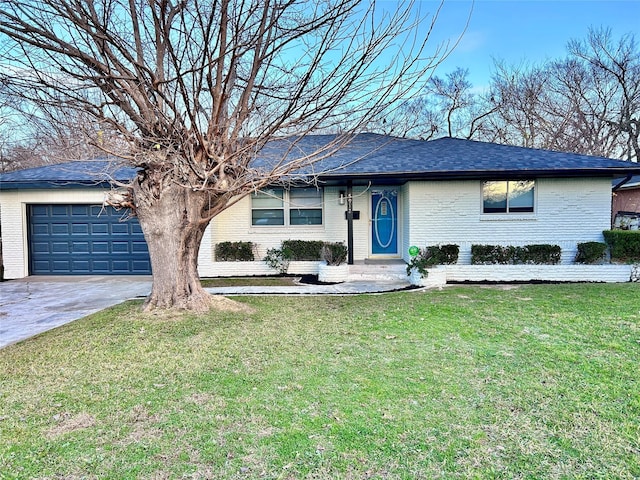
point(507, 216)
point(286, 207)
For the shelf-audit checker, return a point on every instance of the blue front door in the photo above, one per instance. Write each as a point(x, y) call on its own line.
point(384, 222)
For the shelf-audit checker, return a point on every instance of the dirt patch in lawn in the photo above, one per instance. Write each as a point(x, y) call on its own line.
point(68, 423)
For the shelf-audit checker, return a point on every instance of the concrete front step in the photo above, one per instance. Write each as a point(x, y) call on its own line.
point(391, 270)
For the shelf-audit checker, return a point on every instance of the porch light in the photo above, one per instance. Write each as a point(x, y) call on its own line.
point(341, 198)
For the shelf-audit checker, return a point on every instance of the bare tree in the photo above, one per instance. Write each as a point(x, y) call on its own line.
point(447, 107)
point(617, 63)
point(517, 94)
point(195, 89)
point(588, 102)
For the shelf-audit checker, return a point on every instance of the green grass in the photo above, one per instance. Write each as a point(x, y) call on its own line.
point(250, 282)
point(540, 381)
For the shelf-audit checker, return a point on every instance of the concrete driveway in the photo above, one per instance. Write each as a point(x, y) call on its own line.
point(33, 305)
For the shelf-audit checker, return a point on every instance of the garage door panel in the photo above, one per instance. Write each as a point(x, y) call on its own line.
point(40, 229)
point(80, 229)
point(141, 266)
point(80, 247)
point(120, 229)
point(100, 247)
point(60, 210)
point(121, 266)
point(99, 229)
point(120, 247)
point(60, 247)
point(80, 210)
point(39, 211)
point(60, 229)
point(41, 247)
point(85, 239)
point(61, 266)
point(81, 266)
point(139, 247)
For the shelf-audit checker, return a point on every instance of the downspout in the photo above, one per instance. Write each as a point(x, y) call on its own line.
point(350, 222)
point(622, 183)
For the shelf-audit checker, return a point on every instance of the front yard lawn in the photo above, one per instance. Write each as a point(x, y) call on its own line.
point(533, 381)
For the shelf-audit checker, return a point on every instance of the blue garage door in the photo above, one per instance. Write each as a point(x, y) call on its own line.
point(85, 240)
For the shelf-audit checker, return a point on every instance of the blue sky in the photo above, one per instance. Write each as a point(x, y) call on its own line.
point(524, 31)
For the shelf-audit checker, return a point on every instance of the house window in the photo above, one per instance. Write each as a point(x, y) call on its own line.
point(513, 196)
point(277, 206)
point(305, 206)
point(267, 207)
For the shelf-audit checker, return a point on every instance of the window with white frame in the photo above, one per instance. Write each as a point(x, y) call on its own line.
point(293, 207)
point(508, 196)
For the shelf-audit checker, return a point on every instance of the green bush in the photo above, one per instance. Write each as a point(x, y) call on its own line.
point(489, 254)
point(234, 252)
point(334, 253)
point(541, 254)
point(293, 250)
point(538, 254)
point(277, 259)
point(433, 255)
point(591, 252)
point(623, 244)
point(302, 250)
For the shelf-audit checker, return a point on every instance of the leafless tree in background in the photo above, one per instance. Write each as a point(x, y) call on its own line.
point(588, 102)
point(616, 63)
point(194, 89)
point(447, 106)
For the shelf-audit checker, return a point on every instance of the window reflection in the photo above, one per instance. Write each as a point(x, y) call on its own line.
point(512, 196)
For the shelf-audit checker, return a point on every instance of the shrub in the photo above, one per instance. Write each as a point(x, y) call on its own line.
point(234, 252)
point(302, 250)
point(293, 250)
point(276, 258)
point(591, 252)
point(488, 254)
point(433, 255)
point(623, 244)
point(539, 254)
point(334, 253)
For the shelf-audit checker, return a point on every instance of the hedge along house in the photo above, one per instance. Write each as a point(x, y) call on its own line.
point(378, 194)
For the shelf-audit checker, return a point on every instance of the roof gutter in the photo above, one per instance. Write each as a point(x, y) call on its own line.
point(482, 174)
point(622, 183)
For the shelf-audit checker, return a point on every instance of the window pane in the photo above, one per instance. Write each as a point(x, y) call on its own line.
point(305, 198)
point(267, 217)
point(271, 198)
point(306, 216)
point(521, 196)
point(494, 197)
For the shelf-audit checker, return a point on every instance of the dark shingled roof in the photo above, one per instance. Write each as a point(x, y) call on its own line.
point(70, 174)
point(388, 157)
point(369, 157)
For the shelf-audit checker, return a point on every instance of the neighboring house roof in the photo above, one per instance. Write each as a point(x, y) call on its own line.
point(372, 157)
point(633, 182)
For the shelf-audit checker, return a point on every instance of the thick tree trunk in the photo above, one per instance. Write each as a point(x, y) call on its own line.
point(172, 224)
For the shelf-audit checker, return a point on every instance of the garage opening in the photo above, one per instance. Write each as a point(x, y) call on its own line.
point(85, 240)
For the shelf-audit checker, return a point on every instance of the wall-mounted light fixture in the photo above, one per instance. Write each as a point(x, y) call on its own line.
point(341, 198)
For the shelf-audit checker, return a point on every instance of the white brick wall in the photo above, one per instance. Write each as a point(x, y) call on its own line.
point(234, 225)
point(567, 212)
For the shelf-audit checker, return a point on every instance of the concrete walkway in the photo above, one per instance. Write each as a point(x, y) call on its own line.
point(34, 305)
